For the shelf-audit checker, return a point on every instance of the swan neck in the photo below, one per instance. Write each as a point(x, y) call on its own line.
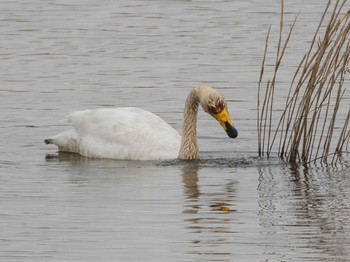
point(189, 146)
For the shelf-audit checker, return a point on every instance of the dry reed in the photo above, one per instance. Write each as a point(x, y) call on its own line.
point(306, 128)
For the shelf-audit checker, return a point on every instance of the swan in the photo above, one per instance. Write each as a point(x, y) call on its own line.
point(130, 133)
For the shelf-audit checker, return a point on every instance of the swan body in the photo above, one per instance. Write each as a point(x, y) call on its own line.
point(134, 133)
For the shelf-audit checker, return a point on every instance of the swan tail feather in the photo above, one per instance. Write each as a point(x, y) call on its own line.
point(66, 141)
point(49, 141)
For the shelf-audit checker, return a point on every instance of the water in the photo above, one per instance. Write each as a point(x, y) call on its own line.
point(60, 56)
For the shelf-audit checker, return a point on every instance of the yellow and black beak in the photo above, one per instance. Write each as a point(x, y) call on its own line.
point(225, 121)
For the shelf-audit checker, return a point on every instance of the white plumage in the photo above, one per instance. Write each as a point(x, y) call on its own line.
point(119, 133)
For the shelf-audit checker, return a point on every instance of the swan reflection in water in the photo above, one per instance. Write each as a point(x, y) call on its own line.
point(208, 205)
point(209, 212)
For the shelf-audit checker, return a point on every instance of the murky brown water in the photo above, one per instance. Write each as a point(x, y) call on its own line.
point(60, 56)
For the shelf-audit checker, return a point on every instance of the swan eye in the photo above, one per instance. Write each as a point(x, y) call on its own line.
point(214, 110)
point(219, 106)
point(211, 110)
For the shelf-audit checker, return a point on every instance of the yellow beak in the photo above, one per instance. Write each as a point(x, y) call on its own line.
point(226, 122)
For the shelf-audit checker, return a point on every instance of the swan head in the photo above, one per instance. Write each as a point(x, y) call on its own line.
point(215, 104)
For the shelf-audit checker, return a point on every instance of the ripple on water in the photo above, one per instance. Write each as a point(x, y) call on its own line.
point(225, 162)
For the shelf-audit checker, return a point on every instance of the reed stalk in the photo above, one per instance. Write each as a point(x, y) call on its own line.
point(309, 120)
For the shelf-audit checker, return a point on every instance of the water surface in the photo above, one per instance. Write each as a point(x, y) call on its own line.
point(60, 56)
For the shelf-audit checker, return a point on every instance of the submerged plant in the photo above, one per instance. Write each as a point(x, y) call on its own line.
point(308, 128)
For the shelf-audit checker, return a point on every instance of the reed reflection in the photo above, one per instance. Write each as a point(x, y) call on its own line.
point(306, 207)
point(209, 212)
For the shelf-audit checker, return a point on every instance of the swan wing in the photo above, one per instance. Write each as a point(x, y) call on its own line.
point(124, 133)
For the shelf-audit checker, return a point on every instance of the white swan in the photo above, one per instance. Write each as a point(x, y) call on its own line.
point(133, 133)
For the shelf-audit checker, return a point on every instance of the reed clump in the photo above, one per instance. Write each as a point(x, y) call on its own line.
point(309, 128)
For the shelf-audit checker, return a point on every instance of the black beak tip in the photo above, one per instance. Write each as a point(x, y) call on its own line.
point(231, 131)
